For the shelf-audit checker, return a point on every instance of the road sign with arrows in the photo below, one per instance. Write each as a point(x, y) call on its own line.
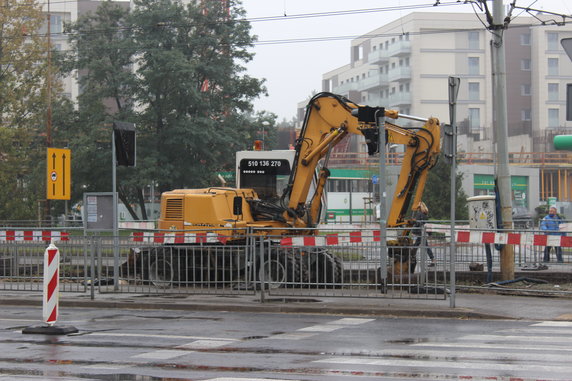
point(58, 174)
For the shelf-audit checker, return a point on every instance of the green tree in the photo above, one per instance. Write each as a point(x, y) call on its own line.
point(23, 101)
point(22, 64)
point(176, 71)
point(437, 195)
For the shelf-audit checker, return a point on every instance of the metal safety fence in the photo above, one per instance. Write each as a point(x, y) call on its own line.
point(155, 262)
point(337, 263)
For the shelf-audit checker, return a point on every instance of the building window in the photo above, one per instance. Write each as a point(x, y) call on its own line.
point(553, 118)
point(474, 118)
point(56, 24)
point(552, 91)
point(525, 89)
point(474, 40)
point(525, 64)
point(374, 48)
point(474, 91)
point(553, 66)
point(525, 39)
point(474, 66)
point(407, 87)
point(406, 61)
point(552, 41)
point(525, 114)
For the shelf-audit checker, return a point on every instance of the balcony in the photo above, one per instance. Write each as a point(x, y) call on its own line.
point(375, 81)
point(346, 87)
point(399, 99)
point(378, 57)
point(374, 99)
point(398, 74)
point(399, 48)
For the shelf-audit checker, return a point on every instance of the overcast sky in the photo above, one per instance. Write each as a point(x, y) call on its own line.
point(293, 70)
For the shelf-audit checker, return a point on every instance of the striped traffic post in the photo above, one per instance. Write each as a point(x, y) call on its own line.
point(51, 284)
point(50, 300)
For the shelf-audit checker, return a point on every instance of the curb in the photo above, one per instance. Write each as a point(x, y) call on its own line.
point(269, 307)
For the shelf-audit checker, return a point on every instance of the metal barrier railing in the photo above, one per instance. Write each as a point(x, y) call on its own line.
point(340, 263)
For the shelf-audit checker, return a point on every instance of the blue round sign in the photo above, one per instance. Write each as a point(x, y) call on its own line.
point(375, 179)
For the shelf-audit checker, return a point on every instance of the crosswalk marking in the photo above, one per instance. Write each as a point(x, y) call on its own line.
point(336, 324)
point(206, 344)
point(292, 336)
point(446, 364)
point(321, 328)
point(351, 321)
point(162, 354)
point(553, 324)
point(496, 346)
point(159, 336)
point(534, 339)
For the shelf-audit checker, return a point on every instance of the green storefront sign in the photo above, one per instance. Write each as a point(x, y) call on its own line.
point(485, 184)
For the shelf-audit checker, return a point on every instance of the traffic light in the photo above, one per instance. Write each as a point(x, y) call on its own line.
point(124, 134)
point(563, 142)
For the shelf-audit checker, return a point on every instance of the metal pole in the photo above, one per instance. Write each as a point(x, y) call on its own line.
point(501, 134)
point(115, 227)
point(453, 92)
point(382, 199)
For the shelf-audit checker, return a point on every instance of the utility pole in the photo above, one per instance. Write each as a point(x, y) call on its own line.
point(498, 27)
point(49, 97)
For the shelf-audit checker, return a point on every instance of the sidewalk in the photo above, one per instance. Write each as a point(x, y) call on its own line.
point(467, 306)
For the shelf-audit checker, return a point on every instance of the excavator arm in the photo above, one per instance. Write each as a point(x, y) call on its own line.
point(329, 118)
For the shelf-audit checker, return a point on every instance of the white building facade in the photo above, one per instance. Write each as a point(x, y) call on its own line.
point(405, 65)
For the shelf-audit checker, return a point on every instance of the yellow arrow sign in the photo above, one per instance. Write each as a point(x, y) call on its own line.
point(58, 174)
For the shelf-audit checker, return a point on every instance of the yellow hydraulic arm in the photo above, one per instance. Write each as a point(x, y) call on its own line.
point(329, 118)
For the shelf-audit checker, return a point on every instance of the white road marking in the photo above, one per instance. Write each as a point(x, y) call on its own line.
point(162, 354)
point(534, 339)
point(553, 324)
point(351, 321)
point(115, 334)
point(321, 328)
point(496, 346)
point(292, 336)
point(550, 368)
point(206, 344)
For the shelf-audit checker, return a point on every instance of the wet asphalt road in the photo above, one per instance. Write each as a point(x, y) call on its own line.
point(225, 346)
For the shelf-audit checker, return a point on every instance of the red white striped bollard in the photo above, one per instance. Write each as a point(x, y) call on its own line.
point(51, 295)
point(51, 284)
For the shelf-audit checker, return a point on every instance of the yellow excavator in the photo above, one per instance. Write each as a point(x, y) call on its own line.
point(236, 214)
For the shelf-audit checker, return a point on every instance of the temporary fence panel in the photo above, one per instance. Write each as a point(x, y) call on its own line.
point(22, 256)
point(157, 267)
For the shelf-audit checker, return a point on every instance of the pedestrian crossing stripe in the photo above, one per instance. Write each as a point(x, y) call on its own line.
point(480, 366)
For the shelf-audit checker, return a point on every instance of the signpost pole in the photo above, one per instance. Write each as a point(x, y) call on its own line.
point(115, 227)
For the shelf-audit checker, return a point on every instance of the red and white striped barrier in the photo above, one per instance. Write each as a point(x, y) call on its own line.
point(51, 284)
point(531, 239)
point(33, 235)
point(332, 239)
point(461, 237)
point(178, 237)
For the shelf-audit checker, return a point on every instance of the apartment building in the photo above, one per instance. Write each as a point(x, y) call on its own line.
point(405, 65)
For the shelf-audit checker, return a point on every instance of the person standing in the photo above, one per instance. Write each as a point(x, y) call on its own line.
point(550, 224)
point(421, 215)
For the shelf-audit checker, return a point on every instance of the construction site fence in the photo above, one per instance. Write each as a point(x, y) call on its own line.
point(337, 263)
